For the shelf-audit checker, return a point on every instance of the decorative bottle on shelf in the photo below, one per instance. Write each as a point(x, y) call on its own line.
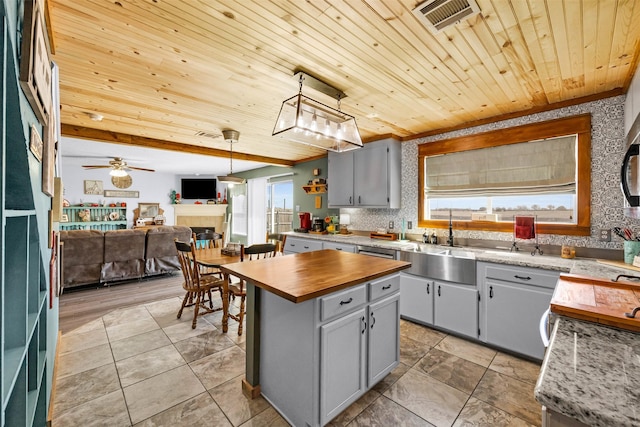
point(219, 198)
point(224, 201)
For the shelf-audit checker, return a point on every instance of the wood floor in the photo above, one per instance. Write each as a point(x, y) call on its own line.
point(78, 307)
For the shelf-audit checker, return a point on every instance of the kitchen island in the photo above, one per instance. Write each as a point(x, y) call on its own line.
point(322, 329)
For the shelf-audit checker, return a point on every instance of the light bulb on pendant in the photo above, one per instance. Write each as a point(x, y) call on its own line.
point(339, 131)
point(327, 127)
point(300, 122)
point(314, 122)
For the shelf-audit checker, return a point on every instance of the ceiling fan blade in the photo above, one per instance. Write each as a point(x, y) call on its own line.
point(95, 166)
point(139, 169)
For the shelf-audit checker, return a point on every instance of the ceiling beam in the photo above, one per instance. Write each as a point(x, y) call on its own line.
point(140, 141)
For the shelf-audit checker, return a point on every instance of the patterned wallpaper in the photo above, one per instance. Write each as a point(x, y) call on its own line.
point(607, 152)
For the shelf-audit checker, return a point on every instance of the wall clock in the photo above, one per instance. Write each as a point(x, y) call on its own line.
point(122, 181)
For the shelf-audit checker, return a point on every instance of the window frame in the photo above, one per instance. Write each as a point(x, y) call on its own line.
point(580, 125)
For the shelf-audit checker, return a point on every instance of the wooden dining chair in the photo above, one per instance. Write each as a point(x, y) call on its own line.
point(198, 286)
point(208, 239)
point(238, 289)
point(277, 239)
point(205, 240)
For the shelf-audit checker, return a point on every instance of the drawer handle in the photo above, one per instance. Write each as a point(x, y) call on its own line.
point(438, 290)
point(359, 200)
point(373, 320)
point(346, 302)
point(349, 199)
point(338, 249)
point(306, 247)
point(384, 288)
point(428, 292)
point(522, 278)
point(364, 325)
point(490, 291)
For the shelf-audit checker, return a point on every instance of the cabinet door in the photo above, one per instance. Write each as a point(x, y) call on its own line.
point(340, 188)
point(342, 363)
point(456, 308)
point(513, 315)
point(371, 175)
point(295, 245)
point(339, 246)
point(384, 338)
point(416, 302)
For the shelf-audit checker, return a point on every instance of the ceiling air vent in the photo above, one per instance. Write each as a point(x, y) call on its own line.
point(439, 14)
point(208, 135)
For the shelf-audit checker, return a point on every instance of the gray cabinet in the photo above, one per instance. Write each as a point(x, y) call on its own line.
point(367, 178)
point(513, 301)
point(455, 308)
point(295, 245)
point(340, 173)
point(417, 298)
point(319, 356)
point(342, 368)
point(384, 338)
point(345, 247)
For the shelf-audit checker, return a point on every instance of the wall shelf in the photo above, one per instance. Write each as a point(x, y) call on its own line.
point(97, 215)
point(315, 188)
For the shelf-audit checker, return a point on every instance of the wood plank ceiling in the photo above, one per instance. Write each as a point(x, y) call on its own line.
point(161, 71)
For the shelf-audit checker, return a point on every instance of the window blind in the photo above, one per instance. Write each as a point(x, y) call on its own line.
point(536, 167)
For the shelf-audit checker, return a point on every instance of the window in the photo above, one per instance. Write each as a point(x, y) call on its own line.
point(279, 206)
point(486, 179)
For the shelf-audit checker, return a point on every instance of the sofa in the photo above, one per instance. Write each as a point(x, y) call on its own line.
point(93, 256)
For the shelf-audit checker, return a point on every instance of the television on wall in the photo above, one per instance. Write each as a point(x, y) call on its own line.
point(198, 188)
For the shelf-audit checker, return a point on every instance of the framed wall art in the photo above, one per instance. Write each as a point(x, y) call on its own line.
point(35, 66)
point(93, 187)
point(35, 143)
point(121, 193)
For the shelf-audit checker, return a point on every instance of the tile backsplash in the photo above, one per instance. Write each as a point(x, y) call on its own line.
point(607, 152)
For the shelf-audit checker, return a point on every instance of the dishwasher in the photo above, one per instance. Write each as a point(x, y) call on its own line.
point(377, 252)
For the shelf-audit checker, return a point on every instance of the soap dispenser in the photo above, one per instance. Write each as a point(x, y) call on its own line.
point(425, 237)
point(434, 239)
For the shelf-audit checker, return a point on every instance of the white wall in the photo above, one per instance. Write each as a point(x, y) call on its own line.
point(154, 187)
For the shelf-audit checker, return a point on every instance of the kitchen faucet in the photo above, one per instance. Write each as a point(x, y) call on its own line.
point(450, 238)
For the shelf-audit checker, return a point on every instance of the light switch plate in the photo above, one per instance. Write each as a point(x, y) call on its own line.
point(409, 225)
point(390, 225)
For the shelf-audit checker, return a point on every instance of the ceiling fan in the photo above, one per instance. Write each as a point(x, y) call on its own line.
point(119, 167)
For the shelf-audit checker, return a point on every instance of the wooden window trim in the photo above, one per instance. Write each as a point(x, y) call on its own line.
point(580, 125)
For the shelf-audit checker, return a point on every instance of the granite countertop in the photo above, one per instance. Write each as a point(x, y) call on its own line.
point(592, 373)
point(581, 266)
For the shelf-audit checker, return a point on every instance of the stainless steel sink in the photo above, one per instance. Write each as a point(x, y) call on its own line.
point(453, 265)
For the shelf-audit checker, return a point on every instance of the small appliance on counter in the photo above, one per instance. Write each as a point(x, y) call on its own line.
point(305, 222)
point(318, 226)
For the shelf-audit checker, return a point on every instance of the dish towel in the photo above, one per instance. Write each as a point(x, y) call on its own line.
point(525, 227)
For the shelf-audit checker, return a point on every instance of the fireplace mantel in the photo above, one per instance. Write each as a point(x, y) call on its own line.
point(200, 215)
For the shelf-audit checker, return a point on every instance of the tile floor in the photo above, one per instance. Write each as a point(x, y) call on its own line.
point(141, 366)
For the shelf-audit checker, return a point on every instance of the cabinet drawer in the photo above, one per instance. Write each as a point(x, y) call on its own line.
point(342, 302)
point(302, 245)
point(384, 286)
point(339, 246)
point(530, 276)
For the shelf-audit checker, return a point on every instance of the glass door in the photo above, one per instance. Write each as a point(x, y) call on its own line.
point(279, 206)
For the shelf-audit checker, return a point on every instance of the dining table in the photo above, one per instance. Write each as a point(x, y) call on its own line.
point(215, 258)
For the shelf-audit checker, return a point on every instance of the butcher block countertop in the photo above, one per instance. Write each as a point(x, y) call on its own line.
point(597, 300)
point(304, 276)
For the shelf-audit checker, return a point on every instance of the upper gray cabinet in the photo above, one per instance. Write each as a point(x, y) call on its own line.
point(366, 178)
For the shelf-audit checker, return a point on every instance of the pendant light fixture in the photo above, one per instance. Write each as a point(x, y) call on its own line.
point(310, 122)
point(231, 136)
